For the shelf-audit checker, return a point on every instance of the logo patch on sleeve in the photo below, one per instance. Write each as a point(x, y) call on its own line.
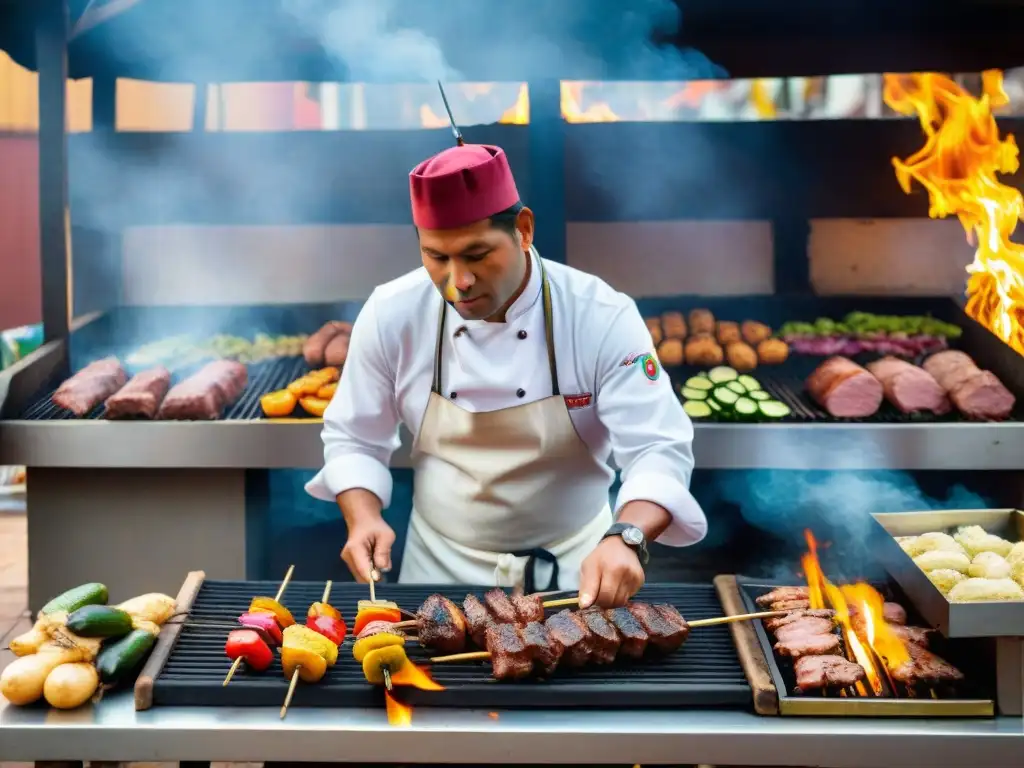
point(648, 363)
point(574, 402)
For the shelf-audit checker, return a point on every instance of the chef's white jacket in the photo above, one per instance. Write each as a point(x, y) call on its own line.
point(599, 336)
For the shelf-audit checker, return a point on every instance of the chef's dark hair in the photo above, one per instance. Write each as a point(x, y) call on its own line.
point(506, 220)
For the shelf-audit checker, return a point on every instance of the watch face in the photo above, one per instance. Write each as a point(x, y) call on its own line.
point(633, 536)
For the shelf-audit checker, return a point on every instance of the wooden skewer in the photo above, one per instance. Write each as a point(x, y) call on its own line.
point(373, 590)
point(291, 692)
point(280, 593)
point(327, 593)
point(561, 602)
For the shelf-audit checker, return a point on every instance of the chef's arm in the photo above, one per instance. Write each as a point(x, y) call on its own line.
point(651, 436)
point(361, 425)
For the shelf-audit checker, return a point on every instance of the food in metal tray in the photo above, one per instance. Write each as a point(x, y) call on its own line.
point(940, 559)
point(945, 579)
point(969, 565)
point(986, 590)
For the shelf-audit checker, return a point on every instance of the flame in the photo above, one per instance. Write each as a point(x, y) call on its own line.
point(867, 639)
point(399, 714)
point(763, 103)
point(519, 113)
point(573, 112)
point(958, 166)
point(415, 677)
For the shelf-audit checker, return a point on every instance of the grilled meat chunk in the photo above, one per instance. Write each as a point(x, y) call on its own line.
point(500, 606)
point(808, 645)
point(808, 625)
point(605, 640)
point(528, 608)
point(845, 389)
point(925, 668)
point(90, 386)
point(478, 619)
point(441, 625)
point(790, 605)
point(780, 621)
point(204, 395)
point(632, 634)
point(566, 628)
point(510, 659)
point(779, 594)
point(816, 672)
point(908, 387)
point(911, 635)
point(893, 613)
point(140, 397)
point(542, 647)
point(665, 628)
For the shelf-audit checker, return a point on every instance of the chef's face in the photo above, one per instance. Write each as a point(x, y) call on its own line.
point(478, 268)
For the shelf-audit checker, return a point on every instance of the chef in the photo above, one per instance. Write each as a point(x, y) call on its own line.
point(520, 379)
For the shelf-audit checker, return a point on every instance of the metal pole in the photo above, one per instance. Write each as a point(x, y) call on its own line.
point(54, 235)
point(547, 168)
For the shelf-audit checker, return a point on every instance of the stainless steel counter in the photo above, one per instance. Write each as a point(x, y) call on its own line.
point(296, 445)
point(112, 730)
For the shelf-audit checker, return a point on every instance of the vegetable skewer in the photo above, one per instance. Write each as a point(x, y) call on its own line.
point(307, 652)
point(243, 644)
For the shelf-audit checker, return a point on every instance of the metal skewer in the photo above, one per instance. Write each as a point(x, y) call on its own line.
point(295, 675)
point(451, 118)
point(277, 598)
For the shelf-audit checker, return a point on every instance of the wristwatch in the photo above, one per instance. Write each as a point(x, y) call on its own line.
point(633, 538)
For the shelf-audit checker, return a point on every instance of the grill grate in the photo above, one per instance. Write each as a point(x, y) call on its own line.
point(705, 672)
point(264, 377)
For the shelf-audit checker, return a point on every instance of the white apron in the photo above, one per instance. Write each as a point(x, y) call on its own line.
point(510, 498)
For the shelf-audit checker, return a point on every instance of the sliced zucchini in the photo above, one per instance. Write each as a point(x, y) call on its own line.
point(759, 395)
point(738, 388)
point(773, 409)
point(752, 384)
point(722, 374)
point(725, 396)
point(714, 405)
point(745, 408)
point(699, 382)
point(695, 394)
point(697, 409)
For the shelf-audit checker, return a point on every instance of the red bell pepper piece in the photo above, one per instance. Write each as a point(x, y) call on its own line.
point(265, 622)
point(366, 615)
point(249, 646)
point(333, 629)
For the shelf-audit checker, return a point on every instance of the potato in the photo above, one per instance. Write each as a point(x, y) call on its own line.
point(1016, 555)
point(945, 579)
point(975, 540)
point(71, 685)
point(986, 590)
point(936, 559)
point(938, 541)
point(23, 679)
point(152, 607)
point(29, 642)
point(989, 565)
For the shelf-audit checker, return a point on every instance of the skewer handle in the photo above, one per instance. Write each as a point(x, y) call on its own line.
point(471, 656)
point(732, 619)
point(234, 668)
point(327, 593)
point(387, 678)
point(291, 692)
point(562, 602)
point(411, 624)
point(284, 584)
point(373, 589)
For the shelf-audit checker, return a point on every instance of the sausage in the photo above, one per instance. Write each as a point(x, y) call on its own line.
point(316, 345)
point(845, 389)
point(337, 350)
point(140, 397)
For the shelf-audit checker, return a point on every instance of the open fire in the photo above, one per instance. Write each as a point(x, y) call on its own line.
point(959, 166)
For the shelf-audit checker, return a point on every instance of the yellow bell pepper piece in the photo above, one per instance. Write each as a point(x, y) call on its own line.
point(391, 657)
point(278, 404)
point(323, 609)
point(327, 391)
point(298, 636)
point(326, 375)
point(311, 666)
point(269, 605)
point(314, 406)
point(365, 645)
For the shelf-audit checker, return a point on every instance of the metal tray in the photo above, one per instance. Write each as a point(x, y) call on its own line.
point(990, 619)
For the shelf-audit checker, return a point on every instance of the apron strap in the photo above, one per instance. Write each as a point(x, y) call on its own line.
point(530, 577)
point(549, 331)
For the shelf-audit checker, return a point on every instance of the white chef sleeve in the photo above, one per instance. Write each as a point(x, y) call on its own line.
point(361, 423)
point(651, 436)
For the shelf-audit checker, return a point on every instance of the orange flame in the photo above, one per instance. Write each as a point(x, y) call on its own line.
point(517, 114)
point(958, 166)
point(415, 677)
point(399, 714)
point(572, 106)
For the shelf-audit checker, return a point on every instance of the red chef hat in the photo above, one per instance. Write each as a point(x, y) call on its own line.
point(460, 186)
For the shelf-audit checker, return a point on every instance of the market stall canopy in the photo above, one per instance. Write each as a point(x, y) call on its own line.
point(333, 40)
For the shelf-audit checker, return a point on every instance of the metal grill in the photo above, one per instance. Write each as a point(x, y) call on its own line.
point(264, 377)
point(704, 673)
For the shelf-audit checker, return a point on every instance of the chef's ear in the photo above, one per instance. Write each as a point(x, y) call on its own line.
point(525, 228)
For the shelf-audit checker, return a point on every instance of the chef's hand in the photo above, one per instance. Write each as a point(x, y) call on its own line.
point(610, 575)
point(368, 549)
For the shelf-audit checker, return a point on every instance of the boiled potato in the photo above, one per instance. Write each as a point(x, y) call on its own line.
point(938, 541)
point(71, 685)
point(153, 607)
point(936, 559)
point(1017, 574)
point(23, 679)
point(945, 579)
point(989, 565)
point(974, 539)
point(985, 590)
point(1016, 554)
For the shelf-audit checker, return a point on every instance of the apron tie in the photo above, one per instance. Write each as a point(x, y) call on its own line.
point(529, 576)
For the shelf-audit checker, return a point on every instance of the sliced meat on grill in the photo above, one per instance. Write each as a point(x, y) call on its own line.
point(908, 387)
point(500, 606)
point(893, 613)
point(912, 635)
point(528, 608)
point(90, 386)
point(441, 625)
point(478, 619)
point(977, 394)
point(808, 625)
point(817, 672)
point(665, 628)
point(604, 639)
point(204, 395)
point(845, 389)
point(808, 645)
point(573, 635)
point(780, 594)
point(542, 647)
point(925, 668)
point(780, 621)
point(510, 659)
point(141, 397)
point(632, 635)
point(790, 605)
